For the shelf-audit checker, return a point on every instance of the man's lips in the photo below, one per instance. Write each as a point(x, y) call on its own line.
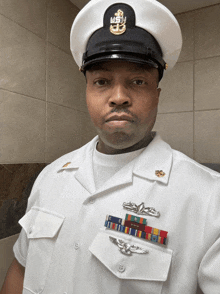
point(119, 121)
point(117, 117)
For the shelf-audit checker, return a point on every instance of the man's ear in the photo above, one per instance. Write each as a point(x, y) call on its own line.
point(158, 93)
point(85, 76)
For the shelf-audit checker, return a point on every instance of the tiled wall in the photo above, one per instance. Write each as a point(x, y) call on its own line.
point(189, 110)
point(42, 93)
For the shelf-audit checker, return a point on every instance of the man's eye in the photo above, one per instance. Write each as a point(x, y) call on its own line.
point(101, 82)
point(138, 82)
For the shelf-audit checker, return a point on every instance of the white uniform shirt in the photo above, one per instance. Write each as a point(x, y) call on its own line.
point(66, 248)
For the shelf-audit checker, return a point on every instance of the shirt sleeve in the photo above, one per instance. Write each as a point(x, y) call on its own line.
point(209, 270)
point(20, 247)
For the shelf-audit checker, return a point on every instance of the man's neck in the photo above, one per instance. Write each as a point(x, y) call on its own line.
point(103, 148)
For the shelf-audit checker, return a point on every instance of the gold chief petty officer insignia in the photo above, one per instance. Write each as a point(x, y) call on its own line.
point(118, 23)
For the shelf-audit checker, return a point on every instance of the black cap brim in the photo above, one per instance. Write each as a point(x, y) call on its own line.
point(120, 57)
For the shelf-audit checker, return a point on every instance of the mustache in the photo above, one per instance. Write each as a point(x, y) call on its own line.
point(122, 110)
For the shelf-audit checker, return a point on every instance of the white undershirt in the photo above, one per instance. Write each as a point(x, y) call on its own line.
point(105, 165)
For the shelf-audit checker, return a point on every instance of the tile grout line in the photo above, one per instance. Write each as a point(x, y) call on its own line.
point(197, 9)
point(61, 49)
point(70, 54)
point(46, 81)
point(22, 94)
point(189, 111)
point(203, 110)
point(199, 59)
point(12, 20)
point(194, 77)
point(28, 96)
point(26, 162)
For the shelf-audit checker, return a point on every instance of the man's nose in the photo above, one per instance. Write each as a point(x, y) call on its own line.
point(119, 96)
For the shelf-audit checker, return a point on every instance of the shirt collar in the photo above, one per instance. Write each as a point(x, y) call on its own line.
point(77, 157)
point(154, 163)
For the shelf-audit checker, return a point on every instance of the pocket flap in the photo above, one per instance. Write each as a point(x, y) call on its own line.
point(41, 223)
point(152, 266)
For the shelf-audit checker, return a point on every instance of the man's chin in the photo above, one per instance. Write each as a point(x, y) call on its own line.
point(115, 141)
point(121, 142)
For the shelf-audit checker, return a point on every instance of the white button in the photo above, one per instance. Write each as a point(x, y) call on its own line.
point(121, 268)
point(76, 246)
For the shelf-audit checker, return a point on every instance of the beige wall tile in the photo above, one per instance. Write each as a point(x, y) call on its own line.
point(186, 22)
point(63, 131)
point(22, 65)
point(177, 89)
point(88, 131)
point(30, 14)
point(65, 84)
point(6, 255)
point(177, 130)
point(207, 32)
point(22, 123)
point(207, 83)
point(60, 18)
point(207, 136)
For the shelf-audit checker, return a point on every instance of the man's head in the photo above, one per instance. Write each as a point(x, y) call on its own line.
point(123, 49)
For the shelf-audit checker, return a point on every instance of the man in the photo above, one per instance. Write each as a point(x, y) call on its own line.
point(124, 213)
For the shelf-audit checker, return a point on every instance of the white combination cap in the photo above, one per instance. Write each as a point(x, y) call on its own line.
point(140, 31)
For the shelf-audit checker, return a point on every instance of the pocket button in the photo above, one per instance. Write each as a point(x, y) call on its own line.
point(76, 246)
point(121, 268)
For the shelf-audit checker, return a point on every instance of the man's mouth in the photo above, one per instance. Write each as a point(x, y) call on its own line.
point(118, 117)
point(119, 120)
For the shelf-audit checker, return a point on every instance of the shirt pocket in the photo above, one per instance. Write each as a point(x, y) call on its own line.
point(138, 273)
point(42, 228)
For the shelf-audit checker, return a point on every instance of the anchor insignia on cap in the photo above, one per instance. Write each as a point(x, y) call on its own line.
point(118, 23)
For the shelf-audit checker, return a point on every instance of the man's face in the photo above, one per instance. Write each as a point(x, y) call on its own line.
point(122, 100)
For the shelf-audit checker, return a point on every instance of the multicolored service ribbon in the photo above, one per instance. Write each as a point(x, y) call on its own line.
point(137, 219)
point(151, 234)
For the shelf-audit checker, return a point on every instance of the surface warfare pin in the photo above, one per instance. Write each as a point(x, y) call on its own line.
point(118, 23)
point(141, 209)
